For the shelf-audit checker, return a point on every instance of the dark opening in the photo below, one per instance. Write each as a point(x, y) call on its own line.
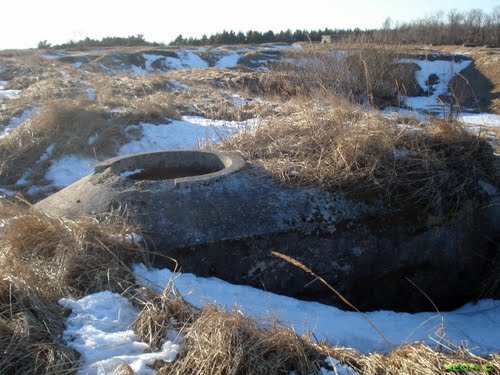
point(167, 173)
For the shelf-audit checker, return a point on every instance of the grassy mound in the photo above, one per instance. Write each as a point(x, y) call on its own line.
point(340, 147)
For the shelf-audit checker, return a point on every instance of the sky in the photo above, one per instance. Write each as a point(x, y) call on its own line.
point(23, 23)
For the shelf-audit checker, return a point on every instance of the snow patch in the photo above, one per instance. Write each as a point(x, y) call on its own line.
point(100, 329)
point(92, 139)
point(8, 94)
point(46, 154)
point(91, 94)
point(340, 369)
point(190, 132)
point(486, 119)
point(475, 323)
point(23, 180)
point(150, 59)
point(16, 121)
point(131, 173)
point(6, 193)
point(228, 61)
point(444, 70)
point(68, 169)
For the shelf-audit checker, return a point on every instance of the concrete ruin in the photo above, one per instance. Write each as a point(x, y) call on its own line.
point(220, 216)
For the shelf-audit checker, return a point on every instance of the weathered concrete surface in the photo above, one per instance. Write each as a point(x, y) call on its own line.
point(226, 223)
point(233, 203)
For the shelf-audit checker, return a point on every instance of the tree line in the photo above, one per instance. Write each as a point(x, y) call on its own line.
point(256, 37)
point(115, 41)
point(474, 27)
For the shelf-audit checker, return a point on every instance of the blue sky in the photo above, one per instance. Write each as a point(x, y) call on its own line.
point(25, 22)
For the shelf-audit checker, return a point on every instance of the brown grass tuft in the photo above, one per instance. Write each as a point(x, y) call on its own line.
point(123, 369)
point(221, 342)
point(70, 258)
point(44, 259)
point(162, 312)
point(416, 359)
point(358, 73)
point(30, 325)
point(348, 149)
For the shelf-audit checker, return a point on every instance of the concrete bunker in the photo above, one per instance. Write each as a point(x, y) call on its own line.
point(217, 215)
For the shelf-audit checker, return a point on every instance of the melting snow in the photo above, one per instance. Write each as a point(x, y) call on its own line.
point(186, 60)
point(190, 132)
point(46, 154)
point(340, 369)
point(486, 119)
point(99, 328)
point(444, 70)
point(23, 180)
point(92, 139)
point(9, 94)
point(150, 59)
point(91, 94)
point(474, 323)
point(68, 169)
point(5, 193)
point(228, 61)
point(16, 121)
point(131, 173)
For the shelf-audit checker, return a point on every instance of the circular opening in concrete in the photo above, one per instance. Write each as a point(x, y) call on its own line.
point(186, 166)
point(160, 172)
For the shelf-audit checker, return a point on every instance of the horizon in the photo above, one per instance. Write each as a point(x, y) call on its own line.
point(56, 23)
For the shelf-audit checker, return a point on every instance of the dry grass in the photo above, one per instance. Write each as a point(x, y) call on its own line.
point(161, 313)
point(416, 359)
point(360, 74)
point(217, 341)
point(66, 124)
point(30, 324)
point(345, 148)
point(222, 342)
point(69, 258)
point(42, 260)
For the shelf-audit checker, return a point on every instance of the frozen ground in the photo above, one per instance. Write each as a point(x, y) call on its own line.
point(474, 324)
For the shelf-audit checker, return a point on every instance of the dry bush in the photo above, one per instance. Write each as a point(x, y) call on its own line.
point(161, 313)
point(360, 74)
point(351, 150)
point(221, 342)
point(158, 108)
